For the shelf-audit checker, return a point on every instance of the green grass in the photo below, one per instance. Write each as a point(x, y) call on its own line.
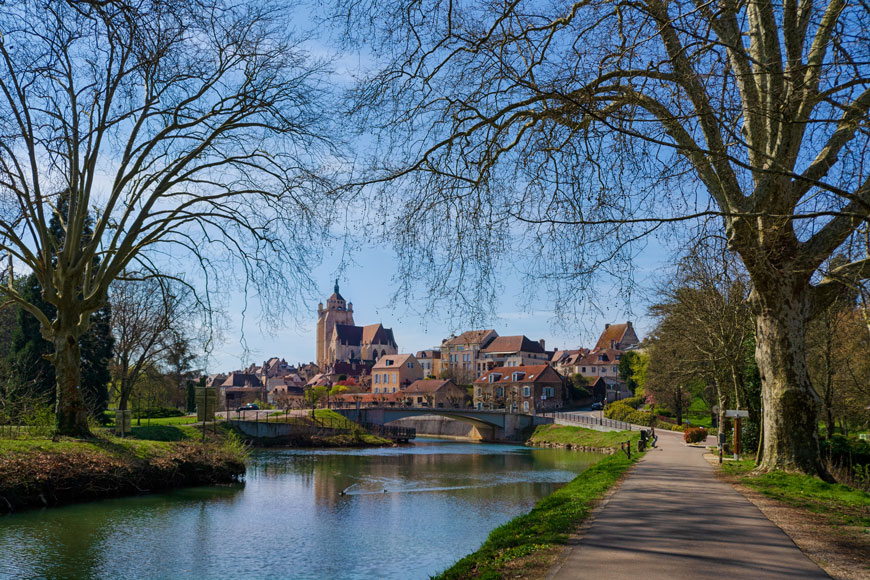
point(111, 445)
point(699, 414)
point(528, 543)
point(166, 433)
point(843, 505)
point(564, 434)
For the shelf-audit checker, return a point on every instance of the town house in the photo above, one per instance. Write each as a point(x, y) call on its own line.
point(434, 393)
point(393, 372)
point(522, 389)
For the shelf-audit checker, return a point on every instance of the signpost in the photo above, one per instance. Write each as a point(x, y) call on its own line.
point(206, 405)
point(736, 414)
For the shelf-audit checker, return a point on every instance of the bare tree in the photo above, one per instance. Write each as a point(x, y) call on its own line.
point(595, 123)
point(183, 128)
point(146, 315)
point(705, 321)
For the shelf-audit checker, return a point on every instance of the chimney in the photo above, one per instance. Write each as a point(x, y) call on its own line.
point(606, 326)
point(628, 323)
point(543, 347)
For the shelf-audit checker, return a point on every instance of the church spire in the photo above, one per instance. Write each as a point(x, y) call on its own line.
point(336, 285)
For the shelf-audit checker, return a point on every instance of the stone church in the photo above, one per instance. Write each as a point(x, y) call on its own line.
point(340, 340)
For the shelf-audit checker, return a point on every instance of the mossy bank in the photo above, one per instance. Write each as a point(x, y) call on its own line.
point(44, 472)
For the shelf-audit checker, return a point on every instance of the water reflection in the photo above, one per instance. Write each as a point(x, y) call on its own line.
point(385, 513)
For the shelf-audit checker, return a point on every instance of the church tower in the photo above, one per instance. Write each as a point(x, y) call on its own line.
point(337, 311)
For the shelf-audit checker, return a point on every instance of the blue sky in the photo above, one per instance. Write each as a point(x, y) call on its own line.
point(368, 283)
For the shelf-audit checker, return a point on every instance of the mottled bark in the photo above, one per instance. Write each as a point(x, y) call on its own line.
point(791, 405)
point(71, 412)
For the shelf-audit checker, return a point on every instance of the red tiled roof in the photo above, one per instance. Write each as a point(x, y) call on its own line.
point(427, 385)
point(609, 355)
point(513, 344)
point(531, 374)
point(241, 380)
point(368, 397)
point(470, 337)
point(397, 361)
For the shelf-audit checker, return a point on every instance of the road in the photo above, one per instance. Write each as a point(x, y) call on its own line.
point(671, 519)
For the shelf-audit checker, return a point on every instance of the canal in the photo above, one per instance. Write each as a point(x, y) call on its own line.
point(403, 512)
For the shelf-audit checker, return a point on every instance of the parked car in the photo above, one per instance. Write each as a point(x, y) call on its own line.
point(597, 406)
point(249, 407)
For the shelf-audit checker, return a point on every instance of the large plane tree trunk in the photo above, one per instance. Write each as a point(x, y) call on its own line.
point(791, 405)
point(70, 411)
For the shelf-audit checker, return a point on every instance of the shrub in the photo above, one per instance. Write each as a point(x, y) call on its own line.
point(618, 411)
point(640, 418)
point(694, 434)
point(158, 413)
point(633, 402)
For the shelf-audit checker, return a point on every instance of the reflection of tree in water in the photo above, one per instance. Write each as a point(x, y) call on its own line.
point(73, 541)
point(480, 474)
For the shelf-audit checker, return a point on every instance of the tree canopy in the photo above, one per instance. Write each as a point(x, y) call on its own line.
point(187, 130)
point(568, 131)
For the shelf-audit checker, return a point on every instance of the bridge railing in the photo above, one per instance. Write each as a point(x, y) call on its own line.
point(390, 431)
point(578, 419)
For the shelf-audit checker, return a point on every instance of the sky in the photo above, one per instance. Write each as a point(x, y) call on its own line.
point(368, 284)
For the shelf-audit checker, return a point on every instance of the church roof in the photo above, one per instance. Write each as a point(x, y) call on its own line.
point(377, 334)
point(348, 334)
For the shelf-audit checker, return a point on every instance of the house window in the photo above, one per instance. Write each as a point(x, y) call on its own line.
point(478, 391)
point(527, 391)
point(499, 392)
point(582, 369)
point(525, 406)
point(394, 389)
point(548, 391)
point(377, 381)
point(615, 369)
point(377, 390)
point(410, 365)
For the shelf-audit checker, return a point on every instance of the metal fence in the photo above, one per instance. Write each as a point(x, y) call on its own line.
point(24, 431)
point(390, 431)
point(600, 421)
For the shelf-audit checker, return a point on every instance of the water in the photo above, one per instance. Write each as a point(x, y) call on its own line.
point(408, 512)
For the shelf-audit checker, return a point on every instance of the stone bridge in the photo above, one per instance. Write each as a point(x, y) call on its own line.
point(488, 425)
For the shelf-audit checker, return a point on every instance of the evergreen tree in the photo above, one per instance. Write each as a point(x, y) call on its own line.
point(27, 356)
point(96, 347)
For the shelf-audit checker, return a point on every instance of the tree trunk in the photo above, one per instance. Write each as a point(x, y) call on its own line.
point(124, 397)
point(71, 415)
point(791, 405)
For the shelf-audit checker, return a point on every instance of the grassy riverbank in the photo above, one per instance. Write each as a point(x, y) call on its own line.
point(840, 504)
point(829, 522)
point(581, 438)
point(528, 545)
point(38, 472)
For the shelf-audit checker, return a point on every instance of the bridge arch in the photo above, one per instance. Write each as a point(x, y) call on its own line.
point(490, 425)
